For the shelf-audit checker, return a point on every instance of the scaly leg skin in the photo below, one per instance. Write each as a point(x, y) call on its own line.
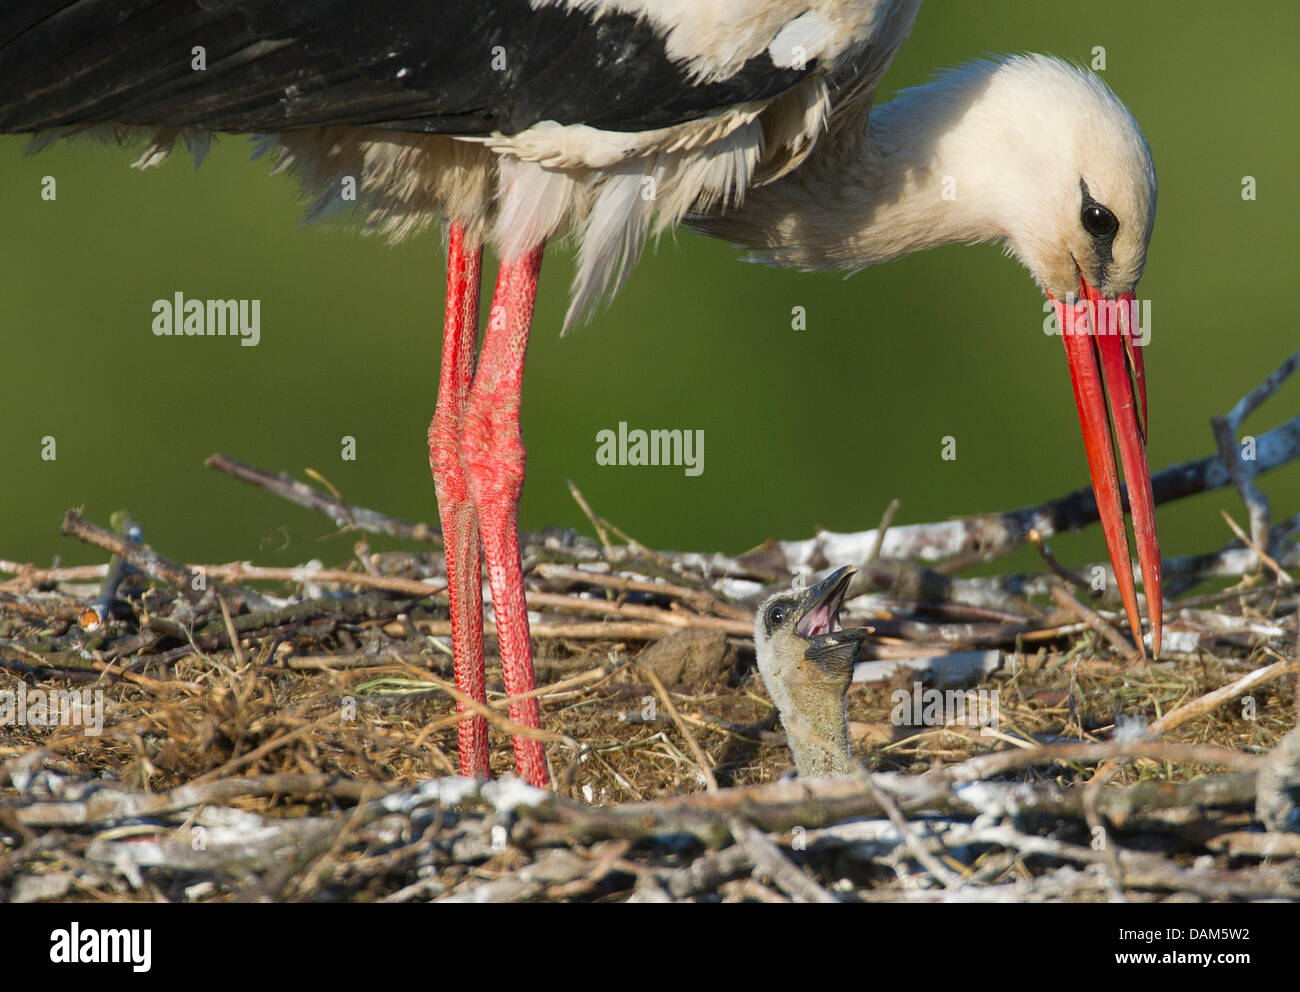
point(492, 452)
point(456, 509)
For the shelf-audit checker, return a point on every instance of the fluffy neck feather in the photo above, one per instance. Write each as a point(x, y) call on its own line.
point(930, 168)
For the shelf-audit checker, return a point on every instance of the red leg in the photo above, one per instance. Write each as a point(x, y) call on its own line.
point(455, 507)
point(493, 454)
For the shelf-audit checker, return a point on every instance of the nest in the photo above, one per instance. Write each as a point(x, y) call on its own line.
point(235, 732)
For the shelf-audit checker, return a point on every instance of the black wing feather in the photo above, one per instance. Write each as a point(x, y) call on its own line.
point(416, 66)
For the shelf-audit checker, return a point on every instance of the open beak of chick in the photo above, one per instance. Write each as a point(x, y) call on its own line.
point(806, 659)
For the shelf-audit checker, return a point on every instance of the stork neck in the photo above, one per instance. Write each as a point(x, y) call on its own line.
point(927, 169)
point(821, 751)
point(815, 714)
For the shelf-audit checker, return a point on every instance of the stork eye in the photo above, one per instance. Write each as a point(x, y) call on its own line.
point(777, 613)
point(1098, 221)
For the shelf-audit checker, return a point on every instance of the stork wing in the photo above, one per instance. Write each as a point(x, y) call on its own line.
point(854, 82)
point(455, 66)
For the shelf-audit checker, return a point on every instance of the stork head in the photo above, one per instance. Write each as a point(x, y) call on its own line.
point(806, 660)
point(1079, 199)
point(1077, 202)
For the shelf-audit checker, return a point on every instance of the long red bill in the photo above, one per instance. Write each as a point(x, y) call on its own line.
point(1106, 364)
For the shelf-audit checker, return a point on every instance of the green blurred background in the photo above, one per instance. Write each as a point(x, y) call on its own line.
point(819, 428)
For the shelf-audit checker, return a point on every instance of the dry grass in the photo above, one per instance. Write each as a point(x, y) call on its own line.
point(322, 705)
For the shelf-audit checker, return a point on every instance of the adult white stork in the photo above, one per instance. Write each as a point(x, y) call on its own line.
point(514, 120)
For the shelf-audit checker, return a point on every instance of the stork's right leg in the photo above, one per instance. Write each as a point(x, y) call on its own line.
point(460, 530)
point(492, 450)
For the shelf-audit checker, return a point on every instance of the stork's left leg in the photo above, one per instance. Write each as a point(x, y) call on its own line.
point(492, 451)
point(455, 505)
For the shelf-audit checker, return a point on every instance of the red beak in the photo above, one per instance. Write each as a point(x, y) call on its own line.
point(1106, 363)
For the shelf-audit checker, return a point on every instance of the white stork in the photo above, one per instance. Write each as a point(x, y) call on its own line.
point(511, 121)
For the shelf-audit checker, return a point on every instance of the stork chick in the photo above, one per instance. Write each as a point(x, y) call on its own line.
point(806, 660)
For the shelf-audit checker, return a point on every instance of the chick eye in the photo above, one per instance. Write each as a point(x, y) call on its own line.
point(777, 614)
point(1098, 221)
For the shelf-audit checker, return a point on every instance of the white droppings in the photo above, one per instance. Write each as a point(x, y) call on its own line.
point(1129, 728)
point(1181, 640)
point(508, 793)
point(307, 572)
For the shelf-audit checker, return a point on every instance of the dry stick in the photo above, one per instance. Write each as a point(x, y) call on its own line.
point(1096, 621)
point(818, 802)
point(110, 668)
point(107, 804)
point(274, 744)
point(309, 883)
point(1036, 539)
point(886, 519)
point(536, 600)
point(29, 574)
point(1242, 474)
point(143, 557)
point(597, 524)
point(710, 783)
point(673, 618)
point(242, 571)
point(600, 523)
point(945, 875)
point(489, 712)
point(697, 599)
point(154, 685)
point(1211, 700)
point(1000, 533)
point(345, 515)
point(600, 630)
point(1230, 561)
point(1211, 599)
point(884, 649)
point(1264, 556)
point(1002, 762)
point(177, 573)
point(769, 859)
point(230, 630)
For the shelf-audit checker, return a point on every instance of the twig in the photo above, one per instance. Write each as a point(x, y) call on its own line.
point(274, 744)
point(1054, 566)
point(491, 712)
point(886, 519)
point(770, 861)
point(230, 629)
point(1096, 621)
point(946, 877)
point(1211, 700)
point(1000, 533)
point(345, 515)
point(596, 522)
point(672, 618)
point(697, 599)
point(1264, 556)
point(706, 772)
point(143, 557)
point(1242, 474)
point(242, 571)
point(1002, 762)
